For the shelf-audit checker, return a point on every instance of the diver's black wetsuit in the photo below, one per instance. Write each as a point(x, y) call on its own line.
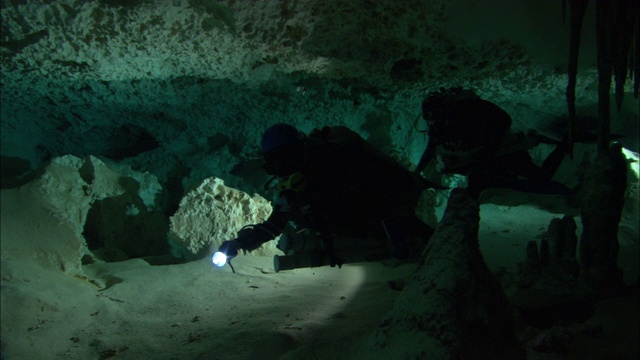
point(351, 189)
point(466, 124)
point(468, 136)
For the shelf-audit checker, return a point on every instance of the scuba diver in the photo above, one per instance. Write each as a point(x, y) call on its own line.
point(470, 136)
point(338, 200)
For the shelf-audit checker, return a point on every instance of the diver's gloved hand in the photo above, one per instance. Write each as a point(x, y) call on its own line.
point(227, 251)
point(230, 248)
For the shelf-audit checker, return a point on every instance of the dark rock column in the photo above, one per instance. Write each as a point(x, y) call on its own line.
point(453, 307)
point(602, 203)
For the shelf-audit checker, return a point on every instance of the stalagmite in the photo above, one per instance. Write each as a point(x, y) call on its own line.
point(603, 190)
point(453, 305)
point(602, 205)
point(547, 287)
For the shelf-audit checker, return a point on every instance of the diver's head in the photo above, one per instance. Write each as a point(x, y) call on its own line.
point(282, 149)
point(436, 106)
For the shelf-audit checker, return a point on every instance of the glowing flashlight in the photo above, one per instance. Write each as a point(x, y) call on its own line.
point(219, 259)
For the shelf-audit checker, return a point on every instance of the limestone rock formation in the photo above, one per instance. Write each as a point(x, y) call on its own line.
point(60, 197)
point(213, 213)
point(426, 207)
point(453, 305)
point(93, 210)
point(123, 226)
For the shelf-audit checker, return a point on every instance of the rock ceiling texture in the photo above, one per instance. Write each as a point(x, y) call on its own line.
point(184, 88)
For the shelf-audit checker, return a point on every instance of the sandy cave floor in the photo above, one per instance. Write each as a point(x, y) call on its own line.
point(196, 311)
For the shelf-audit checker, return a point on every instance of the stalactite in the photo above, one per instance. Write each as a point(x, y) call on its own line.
point(618, 37)
point(635, 64)
point(626, 39)
point(604, 19)
point(578, 8)
point(621, 39)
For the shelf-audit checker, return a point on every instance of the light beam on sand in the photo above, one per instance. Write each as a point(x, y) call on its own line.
point(343, 287)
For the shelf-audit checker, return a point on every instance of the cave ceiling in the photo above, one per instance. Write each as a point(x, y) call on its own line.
point(191, 83)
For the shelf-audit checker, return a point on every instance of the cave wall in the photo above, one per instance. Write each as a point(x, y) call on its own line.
point(184, 88)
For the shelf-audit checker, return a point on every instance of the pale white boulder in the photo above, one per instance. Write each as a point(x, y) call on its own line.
point(213, 213)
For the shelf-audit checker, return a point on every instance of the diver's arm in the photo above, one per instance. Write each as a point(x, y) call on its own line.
point(427, 156)
point(252, 237)
point(495, 124)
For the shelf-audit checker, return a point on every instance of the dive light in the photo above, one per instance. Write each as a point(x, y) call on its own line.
point(219, 259)
point(227, 251)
